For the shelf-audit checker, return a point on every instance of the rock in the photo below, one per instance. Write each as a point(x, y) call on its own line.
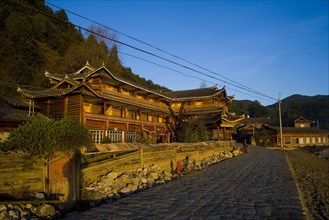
point(14, 213)
point(154, 176)
point(46, 210)
point(4, 215)
point(135, 180)
point(125, 191)
point(40, 196)
point(28, 206)
point(132, 187)
point(109, 181)
point(150, 181)
point(34, 210)
point(158, 182)
point(144, 180)
point(96, 196)
point(26, 213)
point(155, 167)
point(3, 207)
point(112, 175)
point(236, 152)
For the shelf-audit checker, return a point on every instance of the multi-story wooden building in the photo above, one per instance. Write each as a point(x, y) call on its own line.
point(111, 106)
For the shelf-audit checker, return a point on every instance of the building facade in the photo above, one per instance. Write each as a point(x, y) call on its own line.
point(119, 109)
point(300, 135)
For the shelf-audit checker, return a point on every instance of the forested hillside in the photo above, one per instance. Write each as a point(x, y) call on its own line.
point(314, 108)
point(31, 43)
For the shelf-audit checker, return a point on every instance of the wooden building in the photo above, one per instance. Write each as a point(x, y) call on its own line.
point(111, 106)
point(248, 128)
point(300, 135)
point(14, 111)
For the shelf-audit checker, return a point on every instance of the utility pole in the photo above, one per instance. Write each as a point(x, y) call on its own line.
point(281, 142)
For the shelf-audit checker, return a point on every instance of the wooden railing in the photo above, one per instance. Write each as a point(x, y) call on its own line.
point(136, 101)
point(123, 120)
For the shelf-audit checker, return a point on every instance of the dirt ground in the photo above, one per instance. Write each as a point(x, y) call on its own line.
point(312, 176)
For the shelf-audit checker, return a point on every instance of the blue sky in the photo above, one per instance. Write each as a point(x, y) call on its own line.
point(270, 46)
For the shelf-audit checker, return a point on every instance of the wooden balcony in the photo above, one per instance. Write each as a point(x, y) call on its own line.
point(122, 120)
point(131, 100)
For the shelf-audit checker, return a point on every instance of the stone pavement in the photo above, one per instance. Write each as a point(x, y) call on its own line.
point(258, 185)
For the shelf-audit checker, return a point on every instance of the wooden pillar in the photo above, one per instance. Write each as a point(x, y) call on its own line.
point(142, 157)
point(66, 103)
point(104, 108)
point(82, 110)
point(48, 107)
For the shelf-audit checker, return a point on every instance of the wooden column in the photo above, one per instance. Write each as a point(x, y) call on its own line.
point(104, 108)
point(82, 110)
point(66, 103)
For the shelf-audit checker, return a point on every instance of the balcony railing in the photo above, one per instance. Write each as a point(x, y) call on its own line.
point(136, 101)
point(122, 120)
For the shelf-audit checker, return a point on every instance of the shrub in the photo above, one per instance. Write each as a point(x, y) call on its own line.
point(44, 137)
point(192, 132)
point(106, 140)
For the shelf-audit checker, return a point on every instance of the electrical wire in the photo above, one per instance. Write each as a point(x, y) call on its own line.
point(146, 52)
point(152, 46)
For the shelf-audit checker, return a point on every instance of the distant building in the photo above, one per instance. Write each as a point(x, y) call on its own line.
point(300, 135)
point(122, 110)
point(247, 129)
point(14, 112)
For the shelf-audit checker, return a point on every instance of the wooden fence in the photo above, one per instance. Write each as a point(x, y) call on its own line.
point(164, 155)
point(21, 175)
point(58, 178)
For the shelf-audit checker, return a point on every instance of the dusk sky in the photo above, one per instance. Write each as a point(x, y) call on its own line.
point(269, 46)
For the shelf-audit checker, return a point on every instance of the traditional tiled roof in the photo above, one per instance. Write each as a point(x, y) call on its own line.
point(212, 119)
point(196, 93)
point(231, 118)
point(309, 130)
point(209, 119)
point(45, 93)
point(80, 77)
point(15, 109)
point(255, 121)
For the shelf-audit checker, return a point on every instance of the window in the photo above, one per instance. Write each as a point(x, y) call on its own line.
point(287, 140)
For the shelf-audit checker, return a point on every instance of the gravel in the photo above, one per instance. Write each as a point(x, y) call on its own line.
point(311, 174)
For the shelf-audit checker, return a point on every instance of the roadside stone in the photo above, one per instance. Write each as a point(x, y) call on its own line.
point(40, 196)
point(154, 176)
point(125, 191)
point(112, 175)
point(3, 207)
point(46, 210)
point(144, 180)
point(14, 213)
point(132, 187)
point(4, 215)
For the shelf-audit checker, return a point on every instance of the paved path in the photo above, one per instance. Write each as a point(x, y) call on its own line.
point(258, 185)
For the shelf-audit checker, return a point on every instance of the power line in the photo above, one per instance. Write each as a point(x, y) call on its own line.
point(147, 52)
point(159, 49)
point(177, 71)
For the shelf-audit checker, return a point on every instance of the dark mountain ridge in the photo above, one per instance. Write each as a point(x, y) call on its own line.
point(313, 108)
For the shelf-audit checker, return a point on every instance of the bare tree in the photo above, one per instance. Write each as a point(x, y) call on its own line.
point(102, 34)
point(203, 84)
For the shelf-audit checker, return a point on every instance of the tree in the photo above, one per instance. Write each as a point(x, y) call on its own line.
point(203, 84)
point(257, 110)
point(44, 137)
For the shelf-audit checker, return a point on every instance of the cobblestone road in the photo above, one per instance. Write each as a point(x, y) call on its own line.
point(258, 185)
